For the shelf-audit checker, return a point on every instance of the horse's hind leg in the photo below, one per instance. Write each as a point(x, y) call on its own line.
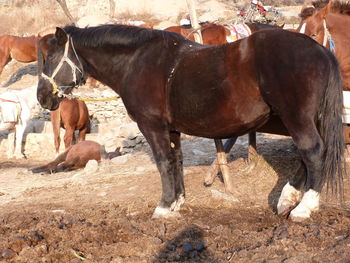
point(51, 167)
point(214, 168)
point(308, 177)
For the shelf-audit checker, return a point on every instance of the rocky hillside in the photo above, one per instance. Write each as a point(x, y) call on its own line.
point(36, 15)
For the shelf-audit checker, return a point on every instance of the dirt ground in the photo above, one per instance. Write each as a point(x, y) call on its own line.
point(105, 216)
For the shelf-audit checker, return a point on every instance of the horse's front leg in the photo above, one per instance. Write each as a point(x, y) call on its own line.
point(19, 139)
point(167, 154)
point(68, 137)
point(5, 126)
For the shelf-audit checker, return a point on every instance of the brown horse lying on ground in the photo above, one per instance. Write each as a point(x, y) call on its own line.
point(77, 156)
point(72, 115)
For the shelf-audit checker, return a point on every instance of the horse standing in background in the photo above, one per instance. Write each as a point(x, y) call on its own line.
point(328, 24)
point(15, 112)
point(22, 49)
point(71, 115)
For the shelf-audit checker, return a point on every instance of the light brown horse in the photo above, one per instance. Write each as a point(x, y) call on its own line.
point(72, 115)
point(22, 49)
point(77, 156)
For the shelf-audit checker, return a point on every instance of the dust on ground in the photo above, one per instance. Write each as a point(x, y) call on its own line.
point(105, 216)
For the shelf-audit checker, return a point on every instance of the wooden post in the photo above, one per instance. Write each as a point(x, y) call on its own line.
point(194, 21)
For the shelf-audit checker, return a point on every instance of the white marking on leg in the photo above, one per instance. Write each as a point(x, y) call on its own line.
point(170, 212)
point(288, 199)
point(178, 203)
point(309, 203)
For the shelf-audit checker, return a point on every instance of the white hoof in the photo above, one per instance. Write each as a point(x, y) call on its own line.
point(19, 156)
point(309, 203)
point(170, 212)
point(162, 212)
point(288, 199)
point(178, 203)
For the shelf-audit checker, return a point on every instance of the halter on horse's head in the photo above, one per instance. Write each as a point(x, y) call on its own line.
point(63, 73)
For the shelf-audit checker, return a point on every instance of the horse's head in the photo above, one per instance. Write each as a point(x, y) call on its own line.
point(59, 72)
point(313, 22)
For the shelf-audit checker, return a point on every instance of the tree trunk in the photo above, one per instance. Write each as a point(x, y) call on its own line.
point(63, 5)
point(111, 8)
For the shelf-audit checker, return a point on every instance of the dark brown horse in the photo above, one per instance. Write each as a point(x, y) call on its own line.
point(72, 115)
point(22, 49)
point(216, 34)
point(168, 87)
point(75, 157)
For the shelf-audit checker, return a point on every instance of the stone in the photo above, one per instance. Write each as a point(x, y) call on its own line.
point(121, 159)
point(91, 167)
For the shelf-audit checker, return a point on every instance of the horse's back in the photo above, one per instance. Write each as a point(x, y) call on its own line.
point(24, 49)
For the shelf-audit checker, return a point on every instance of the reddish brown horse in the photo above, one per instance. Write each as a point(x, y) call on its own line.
point(72, 115)
point(76, 156)
point(328, 24)
point(217, 34)
point(22, 49)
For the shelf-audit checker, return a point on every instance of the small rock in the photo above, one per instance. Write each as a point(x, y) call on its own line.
point(121, 159)
point(198, 152)
point(18, 244)
point(8, 254)
point(91, 167)
point(221, 195)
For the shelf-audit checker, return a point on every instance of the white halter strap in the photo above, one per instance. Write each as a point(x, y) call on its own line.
point(65, 58)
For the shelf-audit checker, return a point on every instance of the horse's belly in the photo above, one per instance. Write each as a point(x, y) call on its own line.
point(23, 56)
point(229, 121)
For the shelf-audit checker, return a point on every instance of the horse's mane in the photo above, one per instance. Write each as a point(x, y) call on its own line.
point(111, 35)
point(318, 4)
point(306, 12)
point(340, 7)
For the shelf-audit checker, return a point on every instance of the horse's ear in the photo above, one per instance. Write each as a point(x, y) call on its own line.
point(61, 36)
point(325, 10)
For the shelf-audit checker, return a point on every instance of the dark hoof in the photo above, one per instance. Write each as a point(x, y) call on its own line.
point(207, 185)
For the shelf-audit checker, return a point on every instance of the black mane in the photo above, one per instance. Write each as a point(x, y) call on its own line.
point(111, 35)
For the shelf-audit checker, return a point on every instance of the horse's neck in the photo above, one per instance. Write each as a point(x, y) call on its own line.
point(338, 23)
point(95, 63)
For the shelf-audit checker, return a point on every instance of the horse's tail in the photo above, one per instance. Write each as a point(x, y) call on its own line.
point(331, 130)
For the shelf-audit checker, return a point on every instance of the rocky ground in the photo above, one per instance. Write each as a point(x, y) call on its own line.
point(104, 214)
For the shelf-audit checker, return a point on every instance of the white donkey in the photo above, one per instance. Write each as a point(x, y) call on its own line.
point(15, 112)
